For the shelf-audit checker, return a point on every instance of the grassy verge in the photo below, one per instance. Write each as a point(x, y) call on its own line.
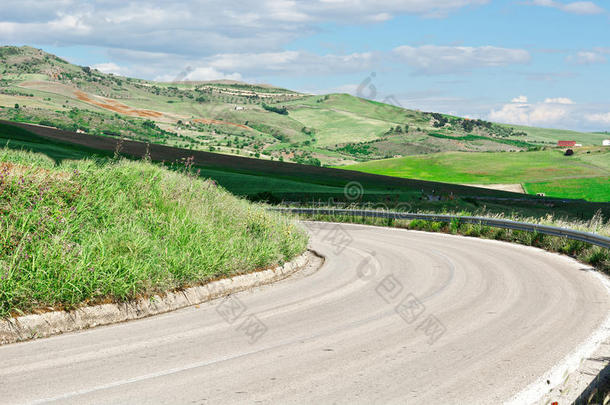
point(98, 230)
point(596, 256)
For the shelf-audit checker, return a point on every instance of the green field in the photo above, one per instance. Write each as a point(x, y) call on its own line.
point(546, 171)
point(592, 189)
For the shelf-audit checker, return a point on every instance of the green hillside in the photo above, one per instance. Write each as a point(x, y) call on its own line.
point(276, 124)
point(242, 119)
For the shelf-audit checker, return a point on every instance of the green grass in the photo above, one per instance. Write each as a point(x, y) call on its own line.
point(336, 126)
point(592, 189)
point(580, 176)
point(517, 144)
point(97, 230)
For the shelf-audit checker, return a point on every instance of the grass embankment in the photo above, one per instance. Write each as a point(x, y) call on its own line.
point(95, 231)
point(596, 256)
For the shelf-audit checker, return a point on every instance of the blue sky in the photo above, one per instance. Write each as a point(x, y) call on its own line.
point(532, 62)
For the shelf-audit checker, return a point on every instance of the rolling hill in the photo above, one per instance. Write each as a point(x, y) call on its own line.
point(272, 123)
point(238, 118)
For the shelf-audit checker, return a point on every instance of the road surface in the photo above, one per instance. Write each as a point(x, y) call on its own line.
point(393, 316)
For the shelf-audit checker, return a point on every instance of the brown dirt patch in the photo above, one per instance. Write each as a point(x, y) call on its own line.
point(116, 106)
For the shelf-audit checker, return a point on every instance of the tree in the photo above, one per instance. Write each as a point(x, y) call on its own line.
point(468, 125)
point(277, 110)
point(17, 106)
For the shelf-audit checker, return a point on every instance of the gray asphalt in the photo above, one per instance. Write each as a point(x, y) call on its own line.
point(393, 316)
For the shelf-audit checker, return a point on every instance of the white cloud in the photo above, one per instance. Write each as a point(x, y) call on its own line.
point(558, 100)
point(198, 27)
point(432, 59)
point(520, 99)
point(577, 7)
point(557, 112)
point(110, 67)
point(587, 57)
point(550, 112)
point(204, 73)
point(599, 118)
point(62, 24)
point(299, 62)
point(423, 60)
point(237, 66)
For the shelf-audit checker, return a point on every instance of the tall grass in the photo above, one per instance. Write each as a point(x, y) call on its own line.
point(93, 231)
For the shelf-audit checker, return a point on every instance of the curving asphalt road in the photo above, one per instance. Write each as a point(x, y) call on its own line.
point(392, 317)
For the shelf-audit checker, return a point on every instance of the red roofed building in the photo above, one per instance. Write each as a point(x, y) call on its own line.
point(566, 144)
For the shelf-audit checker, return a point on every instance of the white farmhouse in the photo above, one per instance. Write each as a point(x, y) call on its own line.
point(606, 142)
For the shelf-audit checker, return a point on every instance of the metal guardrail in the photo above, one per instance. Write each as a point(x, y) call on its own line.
point(588, 237)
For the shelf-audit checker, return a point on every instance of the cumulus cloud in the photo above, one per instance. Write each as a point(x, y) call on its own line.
point(242, 66)
point(429, 60)
point(110, 67)
point(577, 7)
point(198, 27)
point(599, 118)
point(587, 57)
point(203, 73)
point(293, 62)
point(558, 100)
point(432, 59)
point(552, 111)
